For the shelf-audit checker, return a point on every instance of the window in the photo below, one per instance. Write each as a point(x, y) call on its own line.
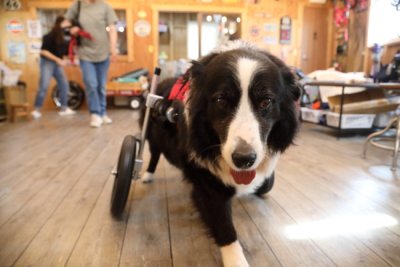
point(121, 30)
point(47, 18)
point(181, 34)
point(384, 21)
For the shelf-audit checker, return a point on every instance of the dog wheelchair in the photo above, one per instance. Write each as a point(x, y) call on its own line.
point(130, 159)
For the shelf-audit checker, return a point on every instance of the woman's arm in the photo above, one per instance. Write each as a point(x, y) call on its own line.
point(113, 41)
point(51, 56)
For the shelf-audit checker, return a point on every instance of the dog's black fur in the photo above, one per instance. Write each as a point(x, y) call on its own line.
point(194, 144)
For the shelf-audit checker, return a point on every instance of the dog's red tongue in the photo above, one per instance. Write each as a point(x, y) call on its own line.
point(243, 177)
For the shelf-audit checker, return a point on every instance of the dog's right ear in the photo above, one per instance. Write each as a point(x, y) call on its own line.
point(197, 68)
point(203, 134)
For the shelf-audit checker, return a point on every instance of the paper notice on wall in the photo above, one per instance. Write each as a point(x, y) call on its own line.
point(270, 40)
point(34, 47)
point(271, 27)
point(16, 52)
point(34, 28)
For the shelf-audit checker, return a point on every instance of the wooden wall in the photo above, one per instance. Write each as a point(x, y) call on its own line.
point(142, 51)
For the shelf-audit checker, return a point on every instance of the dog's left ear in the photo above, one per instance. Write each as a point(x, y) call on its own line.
point(284, 130)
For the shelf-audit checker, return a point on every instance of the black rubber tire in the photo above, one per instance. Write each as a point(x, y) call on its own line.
point(76, 96)
point(123, 178)
point(135, 102)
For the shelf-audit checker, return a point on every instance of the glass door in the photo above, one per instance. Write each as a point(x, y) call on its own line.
point(188, 36)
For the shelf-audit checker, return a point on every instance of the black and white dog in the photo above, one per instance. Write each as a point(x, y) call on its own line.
point(238, 117)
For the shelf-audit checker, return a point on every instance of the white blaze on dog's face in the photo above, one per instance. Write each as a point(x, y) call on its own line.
point(244, 129)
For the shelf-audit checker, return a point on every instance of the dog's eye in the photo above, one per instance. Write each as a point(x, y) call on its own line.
point(221, 101)
point(265, 103)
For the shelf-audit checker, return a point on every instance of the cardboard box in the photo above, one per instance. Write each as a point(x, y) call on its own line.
point(372, 101)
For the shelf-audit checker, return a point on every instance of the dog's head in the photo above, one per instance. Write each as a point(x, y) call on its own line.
point(240, 109)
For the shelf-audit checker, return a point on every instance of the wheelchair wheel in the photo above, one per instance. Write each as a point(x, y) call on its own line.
point(123, 176)
point(76, 96)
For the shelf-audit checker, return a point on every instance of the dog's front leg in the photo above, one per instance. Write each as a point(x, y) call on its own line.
point(214, 205)
point(232, 255)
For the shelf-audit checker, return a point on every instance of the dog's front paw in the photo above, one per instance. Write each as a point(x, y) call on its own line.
point(148, 177)
point(232, 255)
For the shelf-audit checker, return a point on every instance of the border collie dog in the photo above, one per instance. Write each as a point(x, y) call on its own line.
point(238, 116)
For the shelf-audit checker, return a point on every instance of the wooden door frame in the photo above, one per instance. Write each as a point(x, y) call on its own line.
point(156, 9)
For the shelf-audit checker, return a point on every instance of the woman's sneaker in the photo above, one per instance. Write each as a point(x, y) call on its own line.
point(36, 114)
point(106, 119)
point(95, 121)
point(67, 112)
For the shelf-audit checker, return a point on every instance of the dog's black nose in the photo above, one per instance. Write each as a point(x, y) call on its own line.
point(244, 156)
point(244, 161)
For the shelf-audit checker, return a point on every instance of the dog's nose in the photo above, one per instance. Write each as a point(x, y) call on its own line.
point(244, 155)
point(244, 161)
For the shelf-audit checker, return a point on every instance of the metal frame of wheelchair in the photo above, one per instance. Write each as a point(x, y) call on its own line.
point(130, 159)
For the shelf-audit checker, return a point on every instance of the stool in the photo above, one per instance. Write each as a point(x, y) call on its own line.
point(374, 139)
point(19, 110)
point(18, 104)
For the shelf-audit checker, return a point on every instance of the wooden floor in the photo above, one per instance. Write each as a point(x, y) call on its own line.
point(329, 206)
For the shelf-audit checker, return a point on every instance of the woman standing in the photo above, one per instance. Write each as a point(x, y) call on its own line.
point(95, 22)
point(51, 65)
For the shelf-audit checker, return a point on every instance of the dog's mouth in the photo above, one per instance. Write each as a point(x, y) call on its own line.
point(243, 177)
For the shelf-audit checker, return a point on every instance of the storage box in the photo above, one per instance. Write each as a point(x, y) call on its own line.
point(350, 121)
point(382, 119)
point(312, 115)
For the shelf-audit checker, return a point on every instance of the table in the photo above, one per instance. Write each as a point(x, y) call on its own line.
point(343, 85)
point(374, 138)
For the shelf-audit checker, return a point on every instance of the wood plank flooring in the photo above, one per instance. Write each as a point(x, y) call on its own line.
point(329, 206)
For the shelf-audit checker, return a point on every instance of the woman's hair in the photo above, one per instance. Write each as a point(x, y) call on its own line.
point(58, 31)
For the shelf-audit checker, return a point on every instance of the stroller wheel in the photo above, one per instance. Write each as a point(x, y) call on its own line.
point(123, 176)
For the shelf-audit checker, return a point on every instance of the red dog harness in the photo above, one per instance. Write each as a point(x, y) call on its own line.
point(179, 90)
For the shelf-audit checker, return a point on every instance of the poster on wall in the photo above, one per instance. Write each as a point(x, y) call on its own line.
point(16, 52)
point(285, 30)
point(15, 26)
point(254, 31)
point(142, 28)
point(34, 29)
